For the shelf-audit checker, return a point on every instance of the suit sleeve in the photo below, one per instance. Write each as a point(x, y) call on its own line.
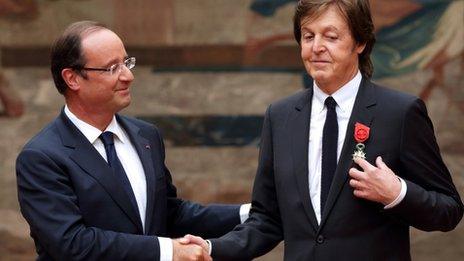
point(263, 229)
point(186, 217)
point(432, 201)
point(50, 206)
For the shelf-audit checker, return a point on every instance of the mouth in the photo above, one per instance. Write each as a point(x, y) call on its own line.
point(319, 64)
point(123, 90)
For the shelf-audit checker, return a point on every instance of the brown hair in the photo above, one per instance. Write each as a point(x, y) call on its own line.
point(67, 52)
point(358, 16)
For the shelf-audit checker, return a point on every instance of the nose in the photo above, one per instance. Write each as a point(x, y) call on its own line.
point(126, 75)
point(318, 45)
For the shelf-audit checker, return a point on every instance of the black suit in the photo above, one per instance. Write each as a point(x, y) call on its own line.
point(77, 210)
point(351, 228)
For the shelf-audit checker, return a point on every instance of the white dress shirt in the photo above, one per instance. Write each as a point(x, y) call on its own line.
point(345, 98)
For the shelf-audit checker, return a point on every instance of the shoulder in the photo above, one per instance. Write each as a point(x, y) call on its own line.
point(397, 106)
point(144, 128)
point(143, 125)
point(45, 146)
point(298, 98)
point(387, 95)
point(289, 103)
point(45, 138)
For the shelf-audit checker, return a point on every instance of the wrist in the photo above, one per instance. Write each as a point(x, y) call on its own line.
point(395, 192)
point(404, 189)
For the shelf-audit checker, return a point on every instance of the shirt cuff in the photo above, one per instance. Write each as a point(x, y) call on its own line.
point(400, 197)
point(210, 247)
point(165, 245)
point(244, 212)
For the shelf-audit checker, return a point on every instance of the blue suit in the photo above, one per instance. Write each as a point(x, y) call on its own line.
point(77, 210)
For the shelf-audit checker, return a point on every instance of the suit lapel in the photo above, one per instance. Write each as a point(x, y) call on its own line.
point(88, 158)
point(363, 112)
point(298, 130)
point(142, 145)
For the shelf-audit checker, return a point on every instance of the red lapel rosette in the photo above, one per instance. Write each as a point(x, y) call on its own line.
point(361, 132)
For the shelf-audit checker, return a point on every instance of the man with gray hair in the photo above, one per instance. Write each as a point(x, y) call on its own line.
point(347, 166)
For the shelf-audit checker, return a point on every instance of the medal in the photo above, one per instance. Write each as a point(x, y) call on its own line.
point(361, 134)
point(359, 151)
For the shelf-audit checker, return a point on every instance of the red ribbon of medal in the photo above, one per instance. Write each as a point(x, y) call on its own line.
point(361, 134)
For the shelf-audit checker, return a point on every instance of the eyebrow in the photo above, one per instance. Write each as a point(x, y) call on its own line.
point(115, 60)
point(327, 28)
point(331, 28)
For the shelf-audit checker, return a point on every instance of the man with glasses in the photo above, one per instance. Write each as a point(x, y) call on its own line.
point(93, 184)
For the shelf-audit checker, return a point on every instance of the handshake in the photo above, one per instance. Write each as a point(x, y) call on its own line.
point(191, 248)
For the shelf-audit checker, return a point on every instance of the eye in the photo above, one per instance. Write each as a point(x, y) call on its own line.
point(331, 37)
point(307, 36)
point(114, 68)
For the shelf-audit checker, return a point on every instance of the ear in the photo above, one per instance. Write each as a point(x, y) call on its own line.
point(71, 78)
point(360, 48)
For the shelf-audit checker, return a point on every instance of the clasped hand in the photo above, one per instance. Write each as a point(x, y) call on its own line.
point(191, 248)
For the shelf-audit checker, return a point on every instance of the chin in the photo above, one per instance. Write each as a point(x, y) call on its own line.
point(127, 103)
point(124, 104)
point(320, 77)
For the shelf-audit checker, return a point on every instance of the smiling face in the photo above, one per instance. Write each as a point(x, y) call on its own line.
point(101, 91)
point(328, 49)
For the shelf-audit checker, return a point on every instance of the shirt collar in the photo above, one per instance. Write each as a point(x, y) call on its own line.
point(92, 133)
point(345, 96)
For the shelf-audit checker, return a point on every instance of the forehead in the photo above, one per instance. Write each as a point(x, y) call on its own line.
point(102, 45)
point(330, 18)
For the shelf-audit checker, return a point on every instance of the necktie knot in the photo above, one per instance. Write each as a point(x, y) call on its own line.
point(330, 103)
point(107, 138)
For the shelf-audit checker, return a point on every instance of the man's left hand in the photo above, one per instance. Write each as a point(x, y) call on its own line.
point(189, 239)
point(374, 183)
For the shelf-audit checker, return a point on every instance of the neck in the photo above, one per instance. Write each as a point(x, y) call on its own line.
point(96, 118)
point(331, 86)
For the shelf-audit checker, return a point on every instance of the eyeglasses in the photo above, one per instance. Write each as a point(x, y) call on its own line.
point(115, 68)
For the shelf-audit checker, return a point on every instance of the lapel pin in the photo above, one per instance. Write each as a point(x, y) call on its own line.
point(361, 134)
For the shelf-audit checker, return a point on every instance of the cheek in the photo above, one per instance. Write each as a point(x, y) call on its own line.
point(305, 52)
point(343, 51)
point(104, 88)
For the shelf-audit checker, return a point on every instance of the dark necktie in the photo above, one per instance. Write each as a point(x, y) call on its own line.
point(329, 149)
point(113, 160)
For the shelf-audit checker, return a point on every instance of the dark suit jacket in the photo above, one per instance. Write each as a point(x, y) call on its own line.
point(351, 228)
point(77, 210)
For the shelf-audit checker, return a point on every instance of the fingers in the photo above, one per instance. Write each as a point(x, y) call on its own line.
point(206, 256)
point(356, 184)
point(360, 179)
point(364, 164)
point(358, 193)
point(197, 241)
point(189, 252)
point(380, 164)
point(356, 174)
point(184, 240)
point(375, 183)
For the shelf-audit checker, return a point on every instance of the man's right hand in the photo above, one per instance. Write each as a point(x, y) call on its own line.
point(189, 239)
point(182, 251)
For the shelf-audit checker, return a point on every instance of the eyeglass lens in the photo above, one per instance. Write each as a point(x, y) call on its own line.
point(117, 68)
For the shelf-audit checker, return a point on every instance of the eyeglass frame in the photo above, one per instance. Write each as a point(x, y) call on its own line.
point(129, 63)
